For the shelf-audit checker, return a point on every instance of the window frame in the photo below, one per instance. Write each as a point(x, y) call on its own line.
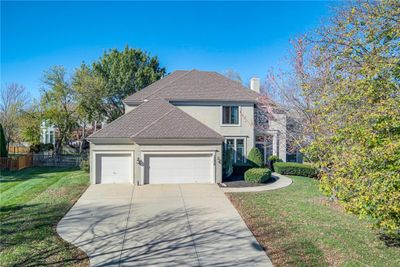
point(239, 116)
point(235, 138)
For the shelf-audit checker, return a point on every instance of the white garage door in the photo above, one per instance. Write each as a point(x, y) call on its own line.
point(173, 169)
point(114, 168)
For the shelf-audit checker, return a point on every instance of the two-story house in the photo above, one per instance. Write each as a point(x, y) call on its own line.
point(176, 129)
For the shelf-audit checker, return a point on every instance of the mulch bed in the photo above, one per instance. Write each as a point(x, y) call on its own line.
point(238, 181)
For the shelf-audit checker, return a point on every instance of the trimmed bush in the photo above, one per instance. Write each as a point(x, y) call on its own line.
point(257, 175)
point(255, 157)
point(240, 169)
point(293, 168)
point(272, 160)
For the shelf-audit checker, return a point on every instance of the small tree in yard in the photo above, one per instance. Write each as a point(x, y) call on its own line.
point(29, 124)
point(255, 157)
point(58, 104)
point(3, 143)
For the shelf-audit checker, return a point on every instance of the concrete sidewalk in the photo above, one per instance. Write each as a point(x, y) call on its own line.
point(281, 182)
point(160, 225)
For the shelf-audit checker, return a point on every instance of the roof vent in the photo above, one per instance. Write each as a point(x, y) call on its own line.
point(255, 84)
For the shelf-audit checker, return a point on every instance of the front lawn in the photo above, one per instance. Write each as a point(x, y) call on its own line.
point(300, 227)
point(32, 202)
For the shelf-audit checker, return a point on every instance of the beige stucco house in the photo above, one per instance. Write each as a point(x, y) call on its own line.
point(176, 129)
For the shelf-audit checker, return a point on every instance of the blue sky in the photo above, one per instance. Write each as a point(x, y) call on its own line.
point(248, 37)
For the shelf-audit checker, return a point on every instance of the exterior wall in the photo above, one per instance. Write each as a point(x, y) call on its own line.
point(211, 115)
point(279, 127)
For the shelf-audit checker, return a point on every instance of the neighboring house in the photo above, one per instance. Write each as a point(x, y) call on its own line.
point(47, 133)
point(176, 129)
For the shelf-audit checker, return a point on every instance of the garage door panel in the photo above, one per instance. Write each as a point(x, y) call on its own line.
point(114, 168)
point(169, 169)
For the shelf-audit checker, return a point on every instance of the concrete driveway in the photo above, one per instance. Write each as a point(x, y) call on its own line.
point(160, 225)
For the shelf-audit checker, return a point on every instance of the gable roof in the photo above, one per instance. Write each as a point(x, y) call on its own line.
point(156, 119)
point(195, 85)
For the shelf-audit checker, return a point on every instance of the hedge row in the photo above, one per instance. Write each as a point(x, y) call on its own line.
point(292, 168)
point(257, 175)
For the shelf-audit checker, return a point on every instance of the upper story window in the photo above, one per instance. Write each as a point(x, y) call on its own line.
point(230, 115)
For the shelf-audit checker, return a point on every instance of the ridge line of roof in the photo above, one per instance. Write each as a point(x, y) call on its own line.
point(169, 83)
point(248, 90)
point(144, 128)
point(108, 124)
point(117, 119)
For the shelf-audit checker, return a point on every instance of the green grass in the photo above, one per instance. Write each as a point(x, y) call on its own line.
point(299, 227)
point(32, 202)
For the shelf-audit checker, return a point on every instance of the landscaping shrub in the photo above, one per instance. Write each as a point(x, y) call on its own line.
point(293, 168)
point(240, 169)
point(36, 148)
point(257, 175)
point(272, 160)
point(255, 157)
point(85, 166)
point(47, 147)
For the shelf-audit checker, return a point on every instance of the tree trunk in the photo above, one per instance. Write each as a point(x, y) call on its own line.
point(58, 146)
point(82, 137)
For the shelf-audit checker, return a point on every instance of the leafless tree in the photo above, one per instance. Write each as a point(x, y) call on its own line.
point(233, 75)
point(285, 88)
point(13, 99)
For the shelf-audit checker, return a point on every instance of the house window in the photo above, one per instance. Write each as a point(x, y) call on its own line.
point(240, 150)
point(237, 148)
point(51, 137)
point(230, 115)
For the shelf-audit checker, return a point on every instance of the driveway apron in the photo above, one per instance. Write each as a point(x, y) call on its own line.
point(160, 225)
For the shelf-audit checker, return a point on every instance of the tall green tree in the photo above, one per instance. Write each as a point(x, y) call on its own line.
point(117, 74)
point(29, 122)
point(3, 143)
point(58, 104)
point(353, 82)
point(89, 93)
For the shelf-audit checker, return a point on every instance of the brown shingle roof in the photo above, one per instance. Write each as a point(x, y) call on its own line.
point(156, 119)
point(195, 85)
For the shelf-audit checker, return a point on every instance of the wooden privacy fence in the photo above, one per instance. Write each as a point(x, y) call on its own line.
point(24, 161)
point(18, 150)
point(16, 163)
